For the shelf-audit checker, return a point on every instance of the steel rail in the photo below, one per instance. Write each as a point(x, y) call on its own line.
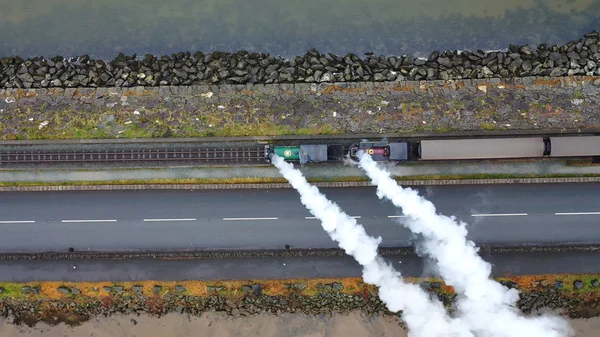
point(212, 154)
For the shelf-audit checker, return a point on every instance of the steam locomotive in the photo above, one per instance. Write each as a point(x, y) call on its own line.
point(445, 149)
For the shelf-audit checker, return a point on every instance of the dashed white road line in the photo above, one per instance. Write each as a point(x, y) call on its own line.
point(275, 218)
point(247, 219)
point(315, 218)
point(579, 213)
point(160, 220)
point(500, 214)
point(16, 221)
point(88, 220)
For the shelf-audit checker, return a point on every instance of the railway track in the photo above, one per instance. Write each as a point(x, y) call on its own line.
point(251, 154)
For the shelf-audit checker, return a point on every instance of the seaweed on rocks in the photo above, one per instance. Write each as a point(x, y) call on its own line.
point(54, 304)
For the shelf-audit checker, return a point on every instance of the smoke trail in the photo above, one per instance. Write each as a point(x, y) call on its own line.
point(487, 306)
point(424, 317)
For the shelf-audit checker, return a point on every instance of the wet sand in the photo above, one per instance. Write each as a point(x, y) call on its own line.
point(214, 325)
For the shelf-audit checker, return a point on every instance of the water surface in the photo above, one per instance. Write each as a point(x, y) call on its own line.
point(103, 28)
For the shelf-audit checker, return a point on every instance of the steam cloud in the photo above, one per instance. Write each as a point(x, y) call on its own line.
point(424, 316)
point(485, 305)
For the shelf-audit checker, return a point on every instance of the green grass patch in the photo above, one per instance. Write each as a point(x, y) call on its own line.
point(10, 289)
point(530, 282)
point(488, 126)
point(581, 162)
point(269, 129)
point(308, 287)
point(568, 282)
point(491, 176)
point(112, 124)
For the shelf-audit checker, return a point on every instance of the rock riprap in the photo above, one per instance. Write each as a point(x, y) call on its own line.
point(579, 57)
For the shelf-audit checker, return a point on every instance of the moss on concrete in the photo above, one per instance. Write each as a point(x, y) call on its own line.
point(260, 180)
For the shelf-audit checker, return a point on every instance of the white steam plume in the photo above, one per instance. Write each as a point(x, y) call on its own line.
point(488, 307)
point(424, 317)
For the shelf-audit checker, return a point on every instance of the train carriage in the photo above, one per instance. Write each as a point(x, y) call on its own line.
point(489, 148)
point(578, 146)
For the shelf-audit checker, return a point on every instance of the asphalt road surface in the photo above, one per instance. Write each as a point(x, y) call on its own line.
point(283, 267)
point(270, 219)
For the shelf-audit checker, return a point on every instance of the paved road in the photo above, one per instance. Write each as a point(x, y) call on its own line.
point(247, 219)
point(264, 268)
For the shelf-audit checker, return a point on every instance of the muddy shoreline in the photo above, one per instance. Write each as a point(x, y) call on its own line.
point(353, 324)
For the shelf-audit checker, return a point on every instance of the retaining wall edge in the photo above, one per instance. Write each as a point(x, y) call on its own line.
point(503, 181)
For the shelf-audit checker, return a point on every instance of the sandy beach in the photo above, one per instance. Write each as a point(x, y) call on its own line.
point(214, 325)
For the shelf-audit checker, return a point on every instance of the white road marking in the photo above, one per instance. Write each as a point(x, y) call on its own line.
point(158, 220)
point(89, 221)
point(16, 221)
point(579, 213)
point(506, 214)
point(397, 216)
point(315, 218)
point(249, 219)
